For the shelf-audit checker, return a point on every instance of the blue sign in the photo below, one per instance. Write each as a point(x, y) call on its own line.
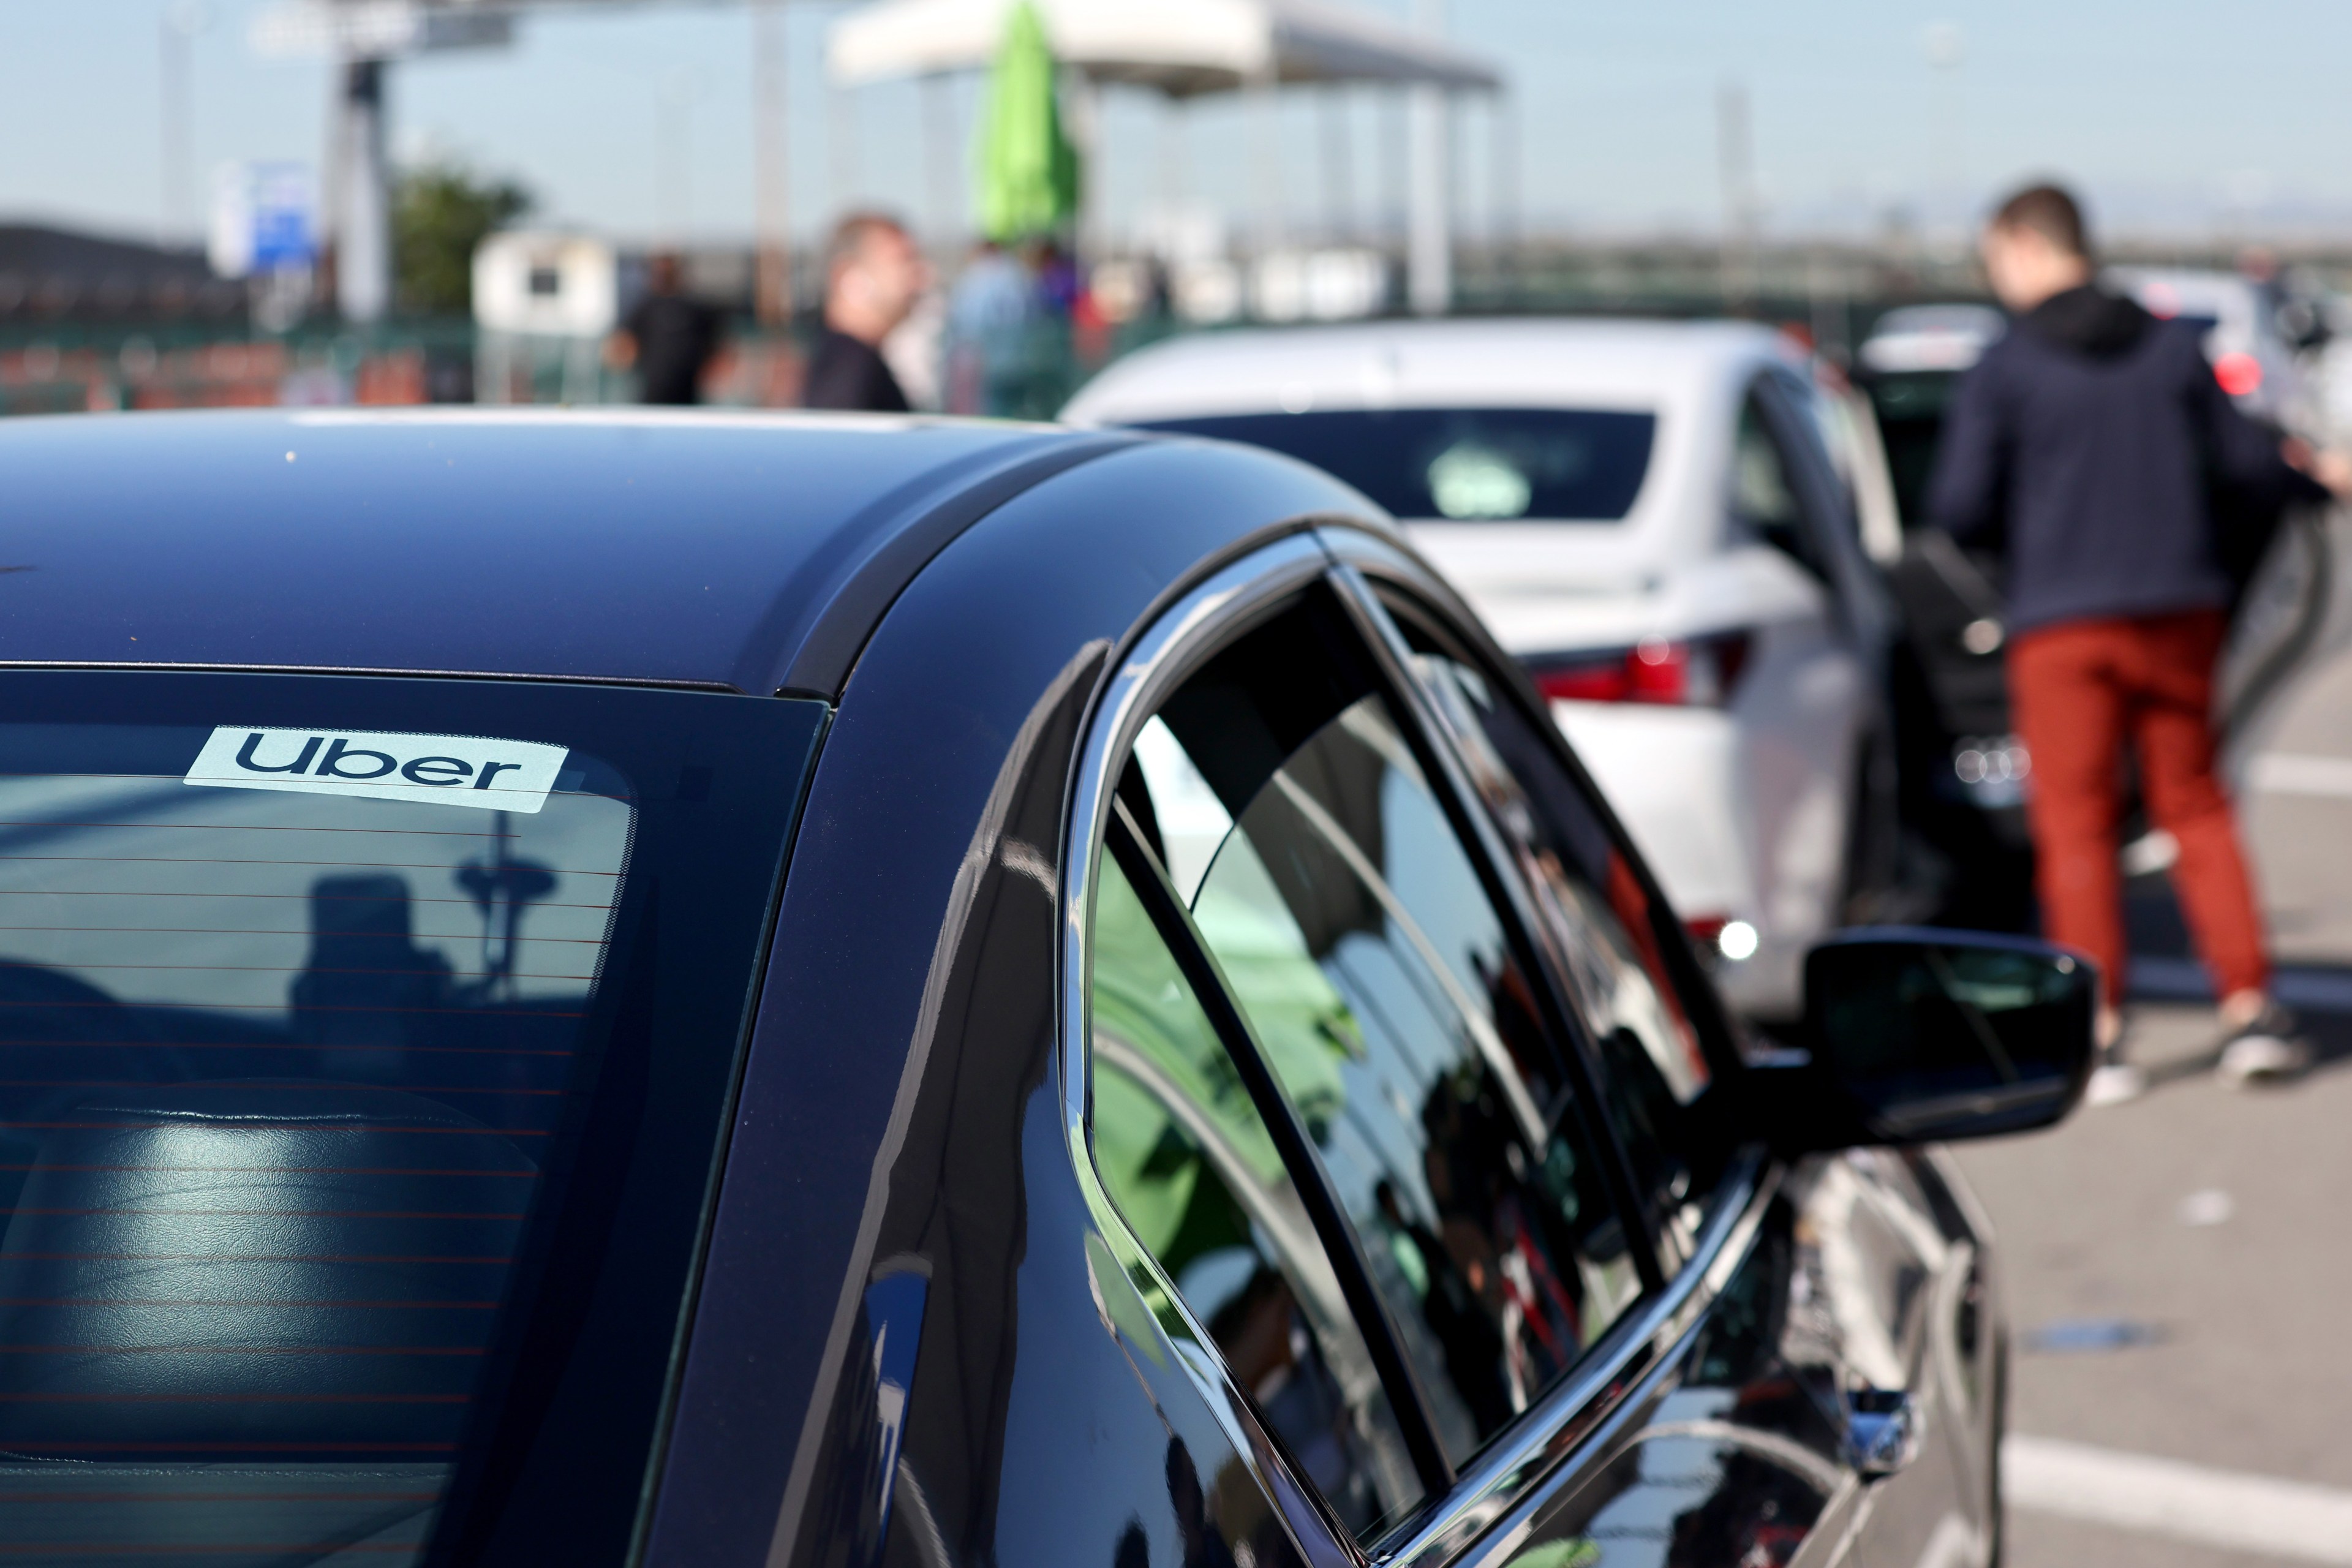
point(281, 217)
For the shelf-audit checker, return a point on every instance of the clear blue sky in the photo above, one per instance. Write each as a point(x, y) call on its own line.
point(2171, 113)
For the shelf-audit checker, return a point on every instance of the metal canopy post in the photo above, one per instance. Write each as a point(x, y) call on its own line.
point(1429, 240)
point(772, 287)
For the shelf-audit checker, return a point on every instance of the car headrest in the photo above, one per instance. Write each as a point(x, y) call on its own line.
point(246, 1269)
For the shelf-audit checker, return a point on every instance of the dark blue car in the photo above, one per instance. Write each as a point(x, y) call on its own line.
point(710, 991)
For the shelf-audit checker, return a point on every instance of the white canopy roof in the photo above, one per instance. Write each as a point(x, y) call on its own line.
point(1181, 46)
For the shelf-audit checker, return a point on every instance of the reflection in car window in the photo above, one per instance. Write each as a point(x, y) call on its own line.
point(288, 1075)
point(1467, 464)
point(1604, 933)
point(1381, 983)
point(1185, 1156)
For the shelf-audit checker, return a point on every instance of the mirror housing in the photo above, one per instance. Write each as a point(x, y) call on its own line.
point(1914, 1035)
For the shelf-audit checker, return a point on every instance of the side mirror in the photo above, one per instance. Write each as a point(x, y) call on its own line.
point(1916, 1036)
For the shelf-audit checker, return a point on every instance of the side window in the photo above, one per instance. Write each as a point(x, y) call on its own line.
point(1185, 1154)
point(1763, 494)
point(1609, 938)
point(1392, 1006)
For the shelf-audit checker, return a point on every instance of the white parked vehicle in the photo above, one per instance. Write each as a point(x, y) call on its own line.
point(1647, 515)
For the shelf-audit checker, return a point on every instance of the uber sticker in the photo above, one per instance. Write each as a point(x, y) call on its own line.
point(437, 770)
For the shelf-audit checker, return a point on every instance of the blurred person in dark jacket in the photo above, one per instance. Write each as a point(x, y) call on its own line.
point(2094, 442)
point(668, 339)
point(873, 277)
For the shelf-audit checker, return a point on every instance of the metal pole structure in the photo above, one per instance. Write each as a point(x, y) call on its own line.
point(674, 155)
point(1395, 135)
point(1429, 247)
point(940, 182)
point(1947, 51)
point(1735, 160)
point(1338, 168)
point(1085, 99)
point(1266, 131)
point(362, 195)
point(178, 219)
point(1504, 105)
point(841, 148)
point(1173, 184)
point(770, 171)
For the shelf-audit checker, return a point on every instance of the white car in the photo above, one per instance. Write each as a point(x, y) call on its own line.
point(1647, 515)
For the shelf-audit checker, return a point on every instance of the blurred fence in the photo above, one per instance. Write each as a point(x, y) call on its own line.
point(90, 368)
point(80, 369)
point(1834, 291)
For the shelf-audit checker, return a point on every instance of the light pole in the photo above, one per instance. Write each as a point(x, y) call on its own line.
point(1429, 243)
point(770, 171)
point(181, 21)
point(1947, 49)
point(1735, 153)
point(674, 154)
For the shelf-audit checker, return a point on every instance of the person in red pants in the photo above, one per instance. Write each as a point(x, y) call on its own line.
point(2092, 440)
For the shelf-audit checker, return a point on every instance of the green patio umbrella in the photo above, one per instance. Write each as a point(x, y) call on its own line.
point(1028, 170)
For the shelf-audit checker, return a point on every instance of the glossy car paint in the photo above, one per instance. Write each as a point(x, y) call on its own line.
point(900, 1156)
point(751, 552)
point(1050, 1417)
point(908, 1029)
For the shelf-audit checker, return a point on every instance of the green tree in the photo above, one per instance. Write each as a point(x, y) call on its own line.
point(440, 213)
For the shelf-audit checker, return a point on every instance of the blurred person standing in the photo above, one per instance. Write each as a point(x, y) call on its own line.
point(668, 339)
point(2093, 441)
point(875, 275)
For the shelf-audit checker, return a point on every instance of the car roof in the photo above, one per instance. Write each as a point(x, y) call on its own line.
point(748, 550)
point(1594, 363)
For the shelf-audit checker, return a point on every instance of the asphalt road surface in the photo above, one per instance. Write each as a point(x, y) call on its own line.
point(2205, 1228)
point(2178, 1270)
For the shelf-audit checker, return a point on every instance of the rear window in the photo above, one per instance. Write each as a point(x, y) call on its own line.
point(1468, 465)
point(364, 1050)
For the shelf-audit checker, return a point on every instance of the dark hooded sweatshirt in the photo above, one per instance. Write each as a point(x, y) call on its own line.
point(2093, 441)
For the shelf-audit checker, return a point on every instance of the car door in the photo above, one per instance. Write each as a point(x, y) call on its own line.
point(1568, 1355)
point(1803, 715)
point(1832, 1399)
point(1330, 1104)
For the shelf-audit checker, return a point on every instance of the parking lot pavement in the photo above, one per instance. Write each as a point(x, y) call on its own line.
point(2211, 1221)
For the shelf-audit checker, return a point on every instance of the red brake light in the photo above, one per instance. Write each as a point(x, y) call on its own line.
point(1700, 673)
point(1601, 680)
point(2240, 374)
point(1659, 671)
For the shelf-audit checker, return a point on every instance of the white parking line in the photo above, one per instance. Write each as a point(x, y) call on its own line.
point(2165, 1496)
point(2291, 773)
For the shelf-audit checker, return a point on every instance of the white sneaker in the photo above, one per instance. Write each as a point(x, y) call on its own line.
point(2263, 1055)
point(2112, 1083)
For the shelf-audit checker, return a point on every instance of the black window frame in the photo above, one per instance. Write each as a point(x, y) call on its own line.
point(1720, 1035)
point(1722, 1040)
point(1762, 404)
point(1380, 646)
